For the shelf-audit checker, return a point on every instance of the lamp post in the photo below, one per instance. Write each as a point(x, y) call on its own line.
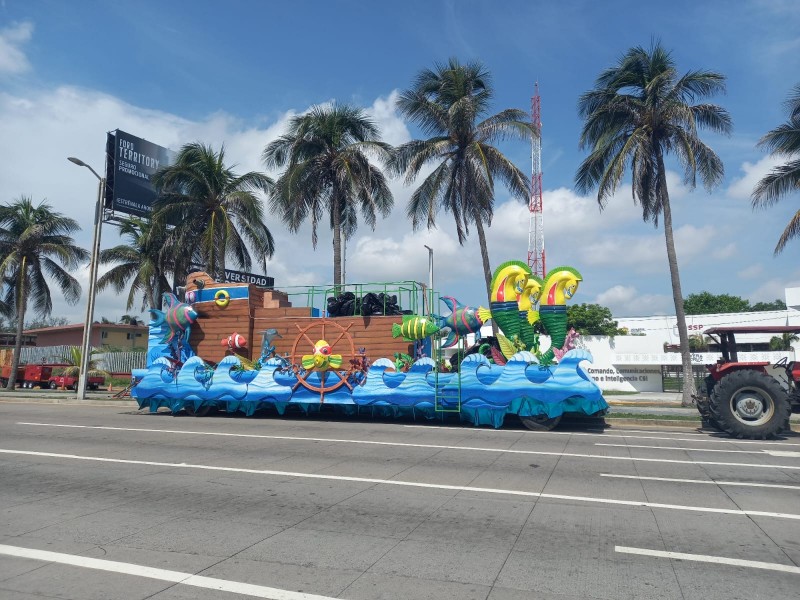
point(430, 278)
point(83, 375)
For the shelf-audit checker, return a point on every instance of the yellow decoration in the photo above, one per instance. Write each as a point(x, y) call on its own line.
point(222, 298)
point(530, 298)
point(509, 281)
point(322, 359)
point(560, 285)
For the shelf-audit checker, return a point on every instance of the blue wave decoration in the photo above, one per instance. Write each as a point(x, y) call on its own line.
point(482, 393)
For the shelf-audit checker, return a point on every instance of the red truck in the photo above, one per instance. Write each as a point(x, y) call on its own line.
point(71, 383)
point(31, 376)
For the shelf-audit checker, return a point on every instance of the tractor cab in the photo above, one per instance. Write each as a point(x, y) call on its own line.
point(725, 337)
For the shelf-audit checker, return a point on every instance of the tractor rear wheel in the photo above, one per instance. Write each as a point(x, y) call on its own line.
point(541, 422)
point(750, 404)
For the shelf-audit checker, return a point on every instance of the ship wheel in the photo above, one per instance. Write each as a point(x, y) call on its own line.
point(306, 340)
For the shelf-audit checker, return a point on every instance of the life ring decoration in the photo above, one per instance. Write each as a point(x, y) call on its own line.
point(222, 298)
point(308, 340)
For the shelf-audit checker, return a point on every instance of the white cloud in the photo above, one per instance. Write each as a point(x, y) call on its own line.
point(627, 301)
point(742, 188)
point(772, 289)
point(724, 252)
point(393, 129)
point(12, 59)
point(751, 272)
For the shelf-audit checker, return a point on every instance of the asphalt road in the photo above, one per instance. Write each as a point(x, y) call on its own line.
point(105, 503)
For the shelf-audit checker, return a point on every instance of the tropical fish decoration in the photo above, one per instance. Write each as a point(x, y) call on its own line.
point(414, 328)
point(508, 284)
point(179, 317)
point(234, 341)
point(560, 285)
point(461, 321)
point(323, 358)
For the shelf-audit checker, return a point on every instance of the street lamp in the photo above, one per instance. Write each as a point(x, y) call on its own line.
point(430, 278)
point(83, 375)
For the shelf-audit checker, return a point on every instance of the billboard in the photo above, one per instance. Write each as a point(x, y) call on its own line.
point(243, 277)
point(130, 163)
point(232, 276)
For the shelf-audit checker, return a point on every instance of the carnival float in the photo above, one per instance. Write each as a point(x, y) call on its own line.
point(373, 357)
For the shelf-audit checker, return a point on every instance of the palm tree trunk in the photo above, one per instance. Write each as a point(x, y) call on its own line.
point(677, 294)
point(337, 245)
point(487, 269)
point(21, 300)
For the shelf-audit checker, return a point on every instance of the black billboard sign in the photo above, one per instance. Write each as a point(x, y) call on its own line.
point(130, 163)
point(232, 276)
point(242, 277)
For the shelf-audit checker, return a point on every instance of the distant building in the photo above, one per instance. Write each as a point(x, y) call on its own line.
point(104, 335)
point(9, 339)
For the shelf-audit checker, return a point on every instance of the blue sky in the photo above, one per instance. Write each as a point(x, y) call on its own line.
point(235, 72)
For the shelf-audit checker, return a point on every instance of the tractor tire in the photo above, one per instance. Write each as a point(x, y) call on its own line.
point(200, 412)
point(749, 404)
point(702, 403)
point(541, 422)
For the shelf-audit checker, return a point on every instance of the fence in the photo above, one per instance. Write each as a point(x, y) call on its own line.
point(113, 362)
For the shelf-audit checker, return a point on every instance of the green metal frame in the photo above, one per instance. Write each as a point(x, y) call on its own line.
point(410, 294)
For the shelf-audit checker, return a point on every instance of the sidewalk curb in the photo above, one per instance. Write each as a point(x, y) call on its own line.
point(72, 402)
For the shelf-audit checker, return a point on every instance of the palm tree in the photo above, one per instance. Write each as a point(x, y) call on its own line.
point(326, 154)
point(74, 368)
point(783, 341)
point(447, 103)
point(639, 111)
point(784, 179)
point(216, 212)
point(34, 243)
point(143, 263)
point(130, 320)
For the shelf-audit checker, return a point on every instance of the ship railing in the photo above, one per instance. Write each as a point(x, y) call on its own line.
point(411, 296)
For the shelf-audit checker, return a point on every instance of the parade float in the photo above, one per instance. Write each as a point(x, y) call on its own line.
point(362, 354)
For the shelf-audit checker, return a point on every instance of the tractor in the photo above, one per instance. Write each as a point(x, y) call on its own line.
point(750, 400)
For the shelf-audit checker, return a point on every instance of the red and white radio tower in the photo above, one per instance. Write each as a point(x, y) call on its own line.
point(536, 226)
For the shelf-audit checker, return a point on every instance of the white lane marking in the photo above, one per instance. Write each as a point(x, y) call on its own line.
point(696, 437)
point(680, 448)
point(720, 560)
point(785, 453)
point(427, 446)
point(209, 583)
point(734, 483)
point(782, 453)
point(438, 486)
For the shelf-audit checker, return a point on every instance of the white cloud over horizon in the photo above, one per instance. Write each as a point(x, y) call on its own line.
point(13, 60)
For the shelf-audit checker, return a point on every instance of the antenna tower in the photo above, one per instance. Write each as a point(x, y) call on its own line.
point(536, 226)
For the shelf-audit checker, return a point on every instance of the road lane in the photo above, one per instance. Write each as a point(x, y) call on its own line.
point(368, 540)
